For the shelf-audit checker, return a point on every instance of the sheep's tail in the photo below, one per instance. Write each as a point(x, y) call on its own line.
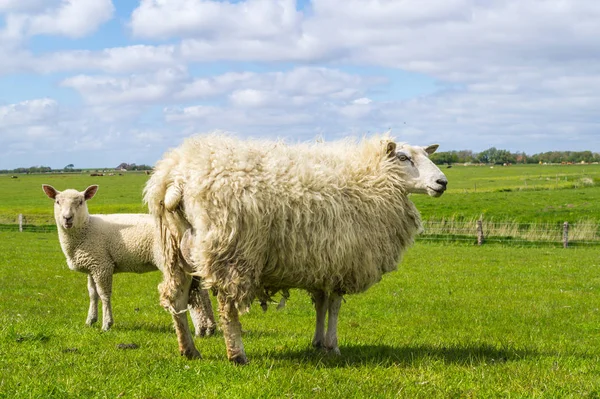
point(163, 194)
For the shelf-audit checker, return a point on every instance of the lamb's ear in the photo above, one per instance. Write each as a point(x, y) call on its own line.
point(390, 149)
point(431, 149)
point(90, 192)
point(50, 191)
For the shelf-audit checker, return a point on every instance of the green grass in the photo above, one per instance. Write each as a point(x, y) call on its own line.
point(117, 194)
point(454, 321)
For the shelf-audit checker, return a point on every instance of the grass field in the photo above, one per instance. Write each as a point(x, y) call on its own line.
point(453, 321)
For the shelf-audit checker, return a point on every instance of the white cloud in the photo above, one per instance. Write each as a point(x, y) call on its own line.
point(140, 89)
point(251, 19)
point(27, 112)
point(25, 5)
point(133, 58)
point(71, 18)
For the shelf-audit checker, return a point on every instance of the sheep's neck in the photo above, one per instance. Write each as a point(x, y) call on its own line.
point(71, 239)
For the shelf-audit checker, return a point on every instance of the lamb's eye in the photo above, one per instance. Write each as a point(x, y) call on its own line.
point(80, 202)
point(57, 202)
point(402, 158)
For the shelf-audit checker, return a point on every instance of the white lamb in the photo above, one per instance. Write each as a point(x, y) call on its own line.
point(101, 245)
point(257, 216)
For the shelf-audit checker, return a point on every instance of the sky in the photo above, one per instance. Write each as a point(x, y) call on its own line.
point(97, 82)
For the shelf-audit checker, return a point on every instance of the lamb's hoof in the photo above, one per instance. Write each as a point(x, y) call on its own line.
point(240, 359)
point(90, 322)
point(191, 354)
point(318, 345)
point(106, 328)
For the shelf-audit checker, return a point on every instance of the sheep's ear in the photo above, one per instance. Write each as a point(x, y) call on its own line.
point(50, 191)
point(390, 149)
point(431, 149)
point(90, 192)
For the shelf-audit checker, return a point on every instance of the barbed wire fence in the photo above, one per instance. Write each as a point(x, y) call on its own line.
point(473, 231)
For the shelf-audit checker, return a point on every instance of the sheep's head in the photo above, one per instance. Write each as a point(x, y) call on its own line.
point(70, 207)
point(420, 174)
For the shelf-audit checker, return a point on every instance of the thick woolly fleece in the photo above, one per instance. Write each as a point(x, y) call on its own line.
point(331, 217)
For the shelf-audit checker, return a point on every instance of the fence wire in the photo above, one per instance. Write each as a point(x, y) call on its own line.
point(581, 233)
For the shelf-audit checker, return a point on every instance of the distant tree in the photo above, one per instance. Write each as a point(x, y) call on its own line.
point(69, 167)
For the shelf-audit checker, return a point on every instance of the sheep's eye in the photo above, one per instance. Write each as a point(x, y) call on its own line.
point(57, 202)
point(80, 202)
point(403, 157)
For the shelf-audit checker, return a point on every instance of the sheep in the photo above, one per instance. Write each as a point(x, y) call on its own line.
point(257, 216)
point(101, 245)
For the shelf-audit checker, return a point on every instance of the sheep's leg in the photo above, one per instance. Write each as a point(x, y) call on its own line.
point(320, 299)
point(201, 310)
point(331, 341)
point(92, 316)
point(104, 288)
point(175, 297)
point(232, 329)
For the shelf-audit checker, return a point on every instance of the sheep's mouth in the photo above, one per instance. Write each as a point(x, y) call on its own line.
point(68, 225)
point(436, 192)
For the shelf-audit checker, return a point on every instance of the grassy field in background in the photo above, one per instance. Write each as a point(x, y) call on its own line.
point(453, 321)
point(525, 194)
point(518, 193)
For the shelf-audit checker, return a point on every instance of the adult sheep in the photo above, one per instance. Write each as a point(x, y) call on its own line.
point(101, 245)
point(259, 216)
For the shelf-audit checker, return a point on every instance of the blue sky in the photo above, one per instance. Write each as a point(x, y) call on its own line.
point(99, 82)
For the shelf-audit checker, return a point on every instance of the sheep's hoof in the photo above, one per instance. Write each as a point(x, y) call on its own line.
point(191, 354)
point(333, 351)
point(90, 322)
point(240, 359)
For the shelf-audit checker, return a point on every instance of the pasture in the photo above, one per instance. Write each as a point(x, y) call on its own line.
point(453, 321)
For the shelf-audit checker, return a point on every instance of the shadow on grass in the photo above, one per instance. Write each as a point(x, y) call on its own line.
point(385, 355)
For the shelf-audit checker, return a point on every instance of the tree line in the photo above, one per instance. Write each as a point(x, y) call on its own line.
point(498, 156)
point(71, 169)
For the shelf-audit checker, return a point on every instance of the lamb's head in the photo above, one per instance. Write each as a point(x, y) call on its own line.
point(70, 207)
point(420, 174)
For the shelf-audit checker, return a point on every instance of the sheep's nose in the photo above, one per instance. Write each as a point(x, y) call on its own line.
point(442, 182)
point(68, 219)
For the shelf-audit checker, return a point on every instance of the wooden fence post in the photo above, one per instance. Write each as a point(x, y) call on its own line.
point(565, 234)
point(479, 232)
point(20, 222)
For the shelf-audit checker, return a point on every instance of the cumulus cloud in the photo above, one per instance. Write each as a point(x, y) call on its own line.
point(251, 19)
point(71, 18)
point(27, 112)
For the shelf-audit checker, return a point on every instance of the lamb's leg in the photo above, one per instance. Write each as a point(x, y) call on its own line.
point(331, 341)
point(201, 310)
point(320, 299)
point(104, 287)
point(92, 316)
point(232, 329)
point(175, 297)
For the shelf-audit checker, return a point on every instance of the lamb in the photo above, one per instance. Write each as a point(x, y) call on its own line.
point(256, 216)
point(101, 245)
